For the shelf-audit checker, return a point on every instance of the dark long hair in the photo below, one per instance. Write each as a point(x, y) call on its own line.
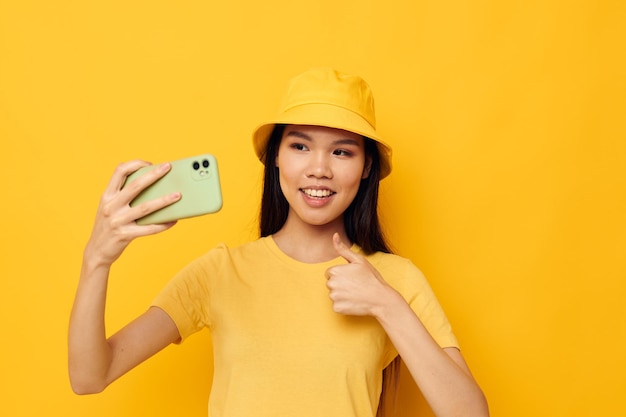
point(360, 218)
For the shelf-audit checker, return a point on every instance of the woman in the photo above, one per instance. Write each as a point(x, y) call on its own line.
point(304, 319)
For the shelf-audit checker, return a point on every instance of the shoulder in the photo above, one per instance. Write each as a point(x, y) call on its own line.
point(400, 272)
point(224, 253)
point(393, 263)
point(257, 246)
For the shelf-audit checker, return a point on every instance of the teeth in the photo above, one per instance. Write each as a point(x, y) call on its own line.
point(317, 193)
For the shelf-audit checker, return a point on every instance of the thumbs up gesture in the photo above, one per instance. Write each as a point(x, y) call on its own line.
point(356, 288)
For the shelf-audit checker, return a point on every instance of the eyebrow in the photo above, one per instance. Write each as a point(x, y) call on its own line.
point(304, 136)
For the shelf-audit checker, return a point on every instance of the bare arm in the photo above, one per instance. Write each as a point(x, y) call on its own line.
point(94, 362)
point(441, 374)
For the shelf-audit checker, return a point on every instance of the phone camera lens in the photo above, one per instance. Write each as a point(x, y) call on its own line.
point(196, 165)
point(205, 163)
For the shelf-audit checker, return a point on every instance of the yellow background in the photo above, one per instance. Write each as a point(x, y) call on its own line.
point(507, 120)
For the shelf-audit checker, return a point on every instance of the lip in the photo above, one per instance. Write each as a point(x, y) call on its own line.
point(317, 196)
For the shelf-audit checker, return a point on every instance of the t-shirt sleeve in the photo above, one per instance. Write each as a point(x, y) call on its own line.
point(186, 297)
point(425, 304)
point(411, 283)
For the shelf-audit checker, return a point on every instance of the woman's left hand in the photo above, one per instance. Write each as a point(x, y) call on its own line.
point(442, 375)
point(357, 288)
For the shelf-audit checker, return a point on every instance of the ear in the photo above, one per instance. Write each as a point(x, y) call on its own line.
point(367, 167)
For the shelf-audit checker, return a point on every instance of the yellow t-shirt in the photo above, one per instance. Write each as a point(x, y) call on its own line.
point(279, 348)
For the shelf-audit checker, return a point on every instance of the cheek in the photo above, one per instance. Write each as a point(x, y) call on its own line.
point(353, 175)
point(284, 164)
point(351, 183)
point(285, 171)
point(285, 180)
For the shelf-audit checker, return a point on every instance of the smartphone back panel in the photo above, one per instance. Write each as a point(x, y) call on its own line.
point(196, 178)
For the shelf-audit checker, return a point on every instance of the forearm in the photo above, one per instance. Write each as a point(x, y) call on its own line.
point(89, 355)
point(95, 361)
point(448, 386)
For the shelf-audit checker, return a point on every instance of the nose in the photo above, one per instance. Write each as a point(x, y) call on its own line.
point(319, 166)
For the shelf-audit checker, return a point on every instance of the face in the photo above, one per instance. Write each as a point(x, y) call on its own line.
point(320, 170)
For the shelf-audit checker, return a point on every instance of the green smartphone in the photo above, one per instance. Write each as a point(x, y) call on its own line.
point(196, 178)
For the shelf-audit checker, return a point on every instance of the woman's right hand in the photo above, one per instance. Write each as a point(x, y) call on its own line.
point(95, 361)
point(115, 224)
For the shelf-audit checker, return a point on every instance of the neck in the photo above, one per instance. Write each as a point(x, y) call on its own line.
point(308, 243)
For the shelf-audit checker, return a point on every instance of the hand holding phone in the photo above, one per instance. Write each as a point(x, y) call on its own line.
point(196, 178)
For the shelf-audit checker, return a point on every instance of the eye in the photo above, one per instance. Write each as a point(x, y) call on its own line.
point(342, 152)
point(298, 146)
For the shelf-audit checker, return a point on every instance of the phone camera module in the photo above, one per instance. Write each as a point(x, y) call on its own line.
point(201, 168)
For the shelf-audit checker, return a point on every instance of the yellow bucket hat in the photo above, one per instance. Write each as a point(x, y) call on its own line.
point(325, 97)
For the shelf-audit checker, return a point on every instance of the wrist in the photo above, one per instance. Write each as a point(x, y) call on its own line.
point(391, 302)
point(93, 261)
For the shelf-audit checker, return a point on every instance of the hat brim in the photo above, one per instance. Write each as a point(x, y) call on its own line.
point(327, 115)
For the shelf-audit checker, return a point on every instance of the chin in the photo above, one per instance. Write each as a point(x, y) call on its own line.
point(322, 222)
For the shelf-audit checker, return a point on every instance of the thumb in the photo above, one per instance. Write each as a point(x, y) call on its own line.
point(343, 250)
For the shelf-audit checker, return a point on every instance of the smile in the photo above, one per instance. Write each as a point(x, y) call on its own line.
point(317, 193)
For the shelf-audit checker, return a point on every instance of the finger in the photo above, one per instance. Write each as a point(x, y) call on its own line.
point(122, 171)
point(140, 210)
point(343, 250)
point(151, 229)
point(152, 175)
